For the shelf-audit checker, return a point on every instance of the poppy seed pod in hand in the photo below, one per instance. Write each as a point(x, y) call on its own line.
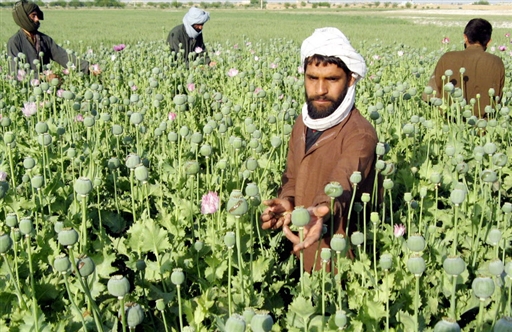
point(300, 216)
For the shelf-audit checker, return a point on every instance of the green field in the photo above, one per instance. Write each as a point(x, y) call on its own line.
point(114, 26)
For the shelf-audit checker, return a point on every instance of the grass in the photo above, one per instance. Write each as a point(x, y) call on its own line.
point(115, 26)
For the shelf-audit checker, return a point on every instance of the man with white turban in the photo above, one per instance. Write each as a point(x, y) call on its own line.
point(38, 49)
point(186, 40)
point(329, 142)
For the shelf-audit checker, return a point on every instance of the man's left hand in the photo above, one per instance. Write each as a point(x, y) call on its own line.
point(312, 231)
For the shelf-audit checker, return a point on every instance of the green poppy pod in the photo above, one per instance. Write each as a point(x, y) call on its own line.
point(85, 266)
point(132, 161)
point(503, 324)
point(261, 322)
point(177, 276)
point(68, 95)
point(134, 98)
point(222, 164)
point(338, 242)
point(300, 216)
point(235, 323)
point(113, 163)
point(333, 189)
point(44, 139)
point(251, 164)
point(71, 153)
point(380, 149)
point(11, 220)
point(408, 129)
point(136, 118)
point(191, 167)
point(276, 141)
point(357, 238)
point(340, 319)
point(483, 287)
point(325, 254)
point(160, 305)
point(180, 100)
point(9, 137)
point(184, 131)
point(494, 237)
point(507, 207)
point(196, 138)
point(117, 129)
point(141, 173)
point(416, 243)
point(236, 205)
point(58, 226)
point(248, 314)
point(454, 265)
point(365, 198)
point(134, 315)
point(407, 197)
point(449, 150)
point(416, 265)
point(457, 196)
point(252, 189)
point(496, 267)
point(499, 159)
point(61, 263)
point(97, 182)
point(61, 130)
point(374, 217)
point(16, 234)
point(435, 178)
point(26, 226)
point(508, 269)
point(388, 184)
point(67, 237)
point(389, 169)
point(37, 181)
point(198, 245)
point(89, 121)
point(236, 143)
point(41, 127)
point(229, 239)
point(83, 186)
point(5, 122)
point(140, 265)
point(374, 115)
point(172, 137)
point(423, 191)
point(257, 134)
point(118, 286)
point(489, 176)
point(356, 177)
point(462, 168)
point(5, 242)
point(205, 150)
point(447, 325)
point(490, 148)
point(386, 261)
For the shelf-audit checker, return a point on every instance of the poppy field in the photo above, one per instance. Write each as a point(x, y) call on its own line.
point(130, 201)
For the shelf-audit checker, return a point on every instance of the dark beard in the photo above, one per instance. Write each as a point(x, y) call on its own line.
point(315, 113)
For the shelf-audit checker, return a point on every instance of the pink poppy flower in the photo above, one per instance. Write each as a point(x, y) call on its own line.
point(59, 93)
point(273, 65)
point(399, 230)
point(198, 49)
point(3, 176)
point(21, 75)
point(210, 203)
point(502, 48)
point(79, 118)
point(445, 40)
point(171, 116)
point(65, 71)
point(29, 109)
point(191, 87)
point(34, 82)
point(134, 87)
point(233, 72)
point(119, 47)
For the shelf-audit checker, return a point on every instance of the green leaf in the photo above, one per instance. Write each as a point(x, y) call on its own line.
point(154, 238)
point(407, 321)
point(302, 307)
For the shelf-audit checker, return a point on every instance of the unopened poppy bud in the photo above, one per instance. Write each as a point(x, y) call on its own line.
point(386, 261)
point(177, 276)
point(229, 239)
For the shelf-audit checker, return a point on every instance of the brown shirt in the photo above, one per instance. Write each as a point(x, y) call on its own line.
point(338, 152)
point(483, 71)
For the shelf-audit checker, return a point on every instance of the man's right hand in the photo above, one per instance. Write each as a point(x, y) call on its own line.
point(277, 214)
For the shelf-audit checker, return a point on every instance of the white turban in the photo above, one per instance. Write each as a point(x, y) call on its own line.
point(332, 42)
point(194, 16)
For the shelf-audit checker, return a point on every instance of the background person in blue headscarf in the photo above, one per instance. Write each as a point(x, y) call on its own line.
point(188, 37)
